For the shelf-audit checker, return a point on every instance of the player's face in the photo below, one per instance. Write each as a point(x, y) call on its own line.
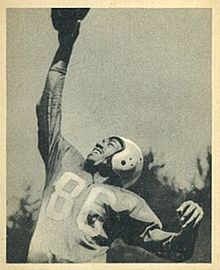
point(104, 149)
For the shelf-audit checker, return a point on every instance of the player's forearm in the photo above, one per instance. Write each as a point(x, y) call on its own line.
point(49, 112)
point(56, 75)
point(50, 101)
point(63, 54)
point(49, 107)
point(160, 235)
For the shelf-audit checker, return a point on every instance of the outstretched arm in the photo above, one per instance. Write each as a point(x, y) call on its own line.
point(143, 228)
point(176, 247)
point(49, 107)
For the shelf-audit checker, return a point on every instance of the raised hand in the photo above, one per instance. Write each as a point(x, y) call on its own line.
point(67, 22)
point(190, 214)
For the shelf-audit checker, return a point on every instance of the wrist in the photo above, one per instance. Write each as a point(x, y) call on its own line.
point(66, 39)
point(62, 56)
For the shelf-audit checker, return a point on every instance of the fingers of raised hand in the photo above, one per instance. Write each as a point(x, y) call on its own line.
point(191, 212)
point(184, 206)
point(188, 211)
point(198, 219)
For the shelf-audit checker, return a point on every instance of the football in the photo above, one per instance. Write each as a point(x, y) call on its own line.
point(64, 19)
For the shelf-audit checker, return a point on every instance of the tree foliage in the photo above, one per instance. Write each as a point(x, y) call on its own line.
point(20, 226)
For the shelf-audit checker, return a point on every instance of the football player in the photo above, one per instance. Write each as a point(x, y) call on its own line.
point(86, 204)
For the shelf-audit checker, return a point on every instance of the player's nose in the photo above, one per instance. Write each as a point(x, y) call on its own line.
point(102, 143)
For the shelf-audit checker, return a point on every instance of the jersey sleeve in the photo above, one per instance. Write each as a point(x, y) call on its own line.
point(49, 113)
point(138, 217)
point(51, 144)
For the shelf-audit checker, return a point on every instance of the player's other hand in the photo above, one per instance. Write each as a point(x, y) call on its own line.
point(190, 214)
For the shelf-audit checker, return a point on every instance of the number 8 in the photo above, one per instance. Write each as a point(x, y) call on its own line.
point(66, 196)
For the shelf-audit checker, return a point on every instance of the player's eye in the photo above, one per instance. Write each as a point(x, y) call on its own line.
point(111, 143)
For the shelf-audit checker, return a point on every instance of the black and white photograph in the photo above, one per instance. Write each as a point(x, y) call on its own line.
point(109, 135)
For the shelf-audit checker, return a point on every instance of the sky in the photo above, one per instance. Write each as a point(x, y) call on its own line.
point(144, 74)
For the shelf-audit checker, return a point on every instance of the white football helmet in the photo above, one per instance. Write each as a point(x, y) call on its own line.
point(128, 162)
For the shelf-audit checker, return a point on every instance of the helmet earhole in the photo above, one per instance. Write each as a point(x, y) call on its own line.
point(123, 162)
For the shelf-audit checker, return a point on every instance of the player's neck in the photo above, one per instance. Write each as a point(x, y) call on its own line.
point(113, 180)
point(99, 179)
